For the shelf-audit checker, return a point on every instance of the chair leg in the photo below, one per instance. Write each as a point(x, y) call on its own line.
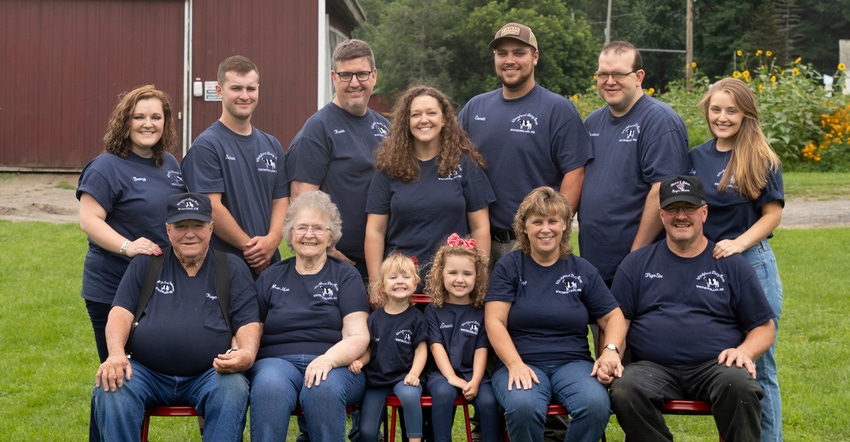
point(468, 424)
point(145, 427)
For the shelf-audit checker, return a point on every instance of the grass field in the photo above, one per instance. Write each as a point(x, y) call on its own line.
point(50, 359)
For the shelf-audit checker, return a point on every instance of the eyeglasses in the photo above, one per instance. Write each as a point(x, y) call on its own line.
point(347, 76)
point(617, 76)
point(673, 211)
point(317, 230)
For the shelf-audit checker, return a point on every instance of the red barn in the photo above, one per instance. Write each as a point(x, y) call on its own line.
point(64, 63)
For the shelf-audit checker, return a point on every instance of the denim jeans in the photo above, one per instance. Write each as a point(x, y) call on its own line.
point(374, 407)
point(571, 386)
point(443, 396)
point(763, 261)
point(277, 386)
point(222, 399)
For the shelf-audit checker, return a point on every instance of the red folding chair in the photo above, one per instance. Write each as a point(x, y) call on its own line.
point(553, 410)
point(165, 411)
point(688, 408)
point(425, 401)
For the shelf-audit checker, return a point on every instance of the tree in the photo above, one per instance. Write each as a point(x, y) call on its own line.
point(444, 43)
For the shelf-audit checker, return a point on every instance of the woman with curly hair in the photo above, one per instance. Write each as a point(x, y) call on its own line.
point(122, 195)
point(745, 197)
point(429, 182)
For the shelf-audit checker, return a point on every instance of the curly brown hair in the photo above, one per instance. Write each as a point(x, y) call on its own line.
point(395, 156)
point(543, 201)
point(117, 138)
point(434, 285)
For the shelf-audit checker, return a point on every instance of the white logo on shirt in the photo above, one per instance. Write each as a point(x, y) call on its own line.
point(572, 284)
point(477, 118)
point(229, 157)
point(526, 123)
point(326, 290)
point(281, 289)
point(165, 287)
point(267, 162)
point(404, 336)
point(711, 281)
point(653, 275)
point(630, 133)
point(137, 179)
point(470, 327)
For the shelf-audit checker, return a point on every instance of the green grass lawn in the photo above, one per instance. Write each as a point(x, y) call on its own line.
point(50, 359)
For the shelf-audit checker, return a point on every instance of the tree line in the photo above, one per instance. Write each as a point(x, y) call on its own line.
point(444, 43)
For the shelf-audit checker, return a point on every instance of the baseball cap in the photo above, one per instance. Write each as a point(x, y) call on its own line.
point(183, 206)
point(515, 31)
point(684, 188)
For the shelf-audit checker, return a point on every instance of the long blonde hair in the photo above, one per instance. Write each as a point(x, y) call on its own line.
point(752, 159)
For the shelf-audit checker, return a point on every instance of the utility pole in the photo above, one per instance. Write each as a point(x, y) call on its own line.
point(689, 45)
point(608, 24)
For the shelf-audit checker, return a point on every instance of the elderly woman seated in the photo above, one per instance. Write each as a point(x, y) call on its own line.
point(314, 309)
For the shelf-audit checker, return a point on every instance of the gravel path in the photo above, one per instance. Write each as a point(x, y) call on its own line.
point(50, 197)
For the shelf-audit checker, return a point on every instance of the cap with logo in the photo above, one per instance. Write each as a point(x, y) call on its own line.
point(183, 206)
point(682, 188)
point(515, 31)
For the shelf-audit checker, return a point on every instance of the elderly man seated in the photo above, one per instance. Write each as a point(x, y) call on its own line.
point(696, 324)
point(183, 352)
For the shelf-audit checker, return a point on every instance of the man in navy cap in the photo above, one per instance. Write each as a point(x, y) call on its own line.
point(696, 324)
point(183, 350)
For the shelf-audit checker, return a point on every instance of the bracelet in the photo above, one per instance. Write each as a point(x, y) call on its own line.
point(123, 249)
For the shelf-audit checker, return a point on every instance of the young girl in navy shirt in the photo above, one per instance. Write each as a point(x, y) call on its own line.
point(458, 282)
point(397, 352)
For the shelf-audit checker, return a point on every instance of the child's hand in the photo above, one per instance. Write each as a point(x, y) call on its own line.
point(411, 380)
point(355, 366)
point(457, 382)
point(470, 391)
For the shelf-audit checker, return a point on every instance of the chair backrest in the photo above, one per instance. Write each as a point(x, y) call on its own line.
point(421, 298)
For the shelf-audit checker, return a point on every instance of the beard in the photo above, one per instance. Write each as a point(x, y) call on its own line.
point(514, 83)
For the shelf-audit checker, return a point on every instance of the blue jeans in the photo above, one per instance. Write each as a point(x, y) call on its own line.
point(222, 399)
point(571, 386)
point(443, 396)
point(763, 261)
point(374, 407)
point(277, 386)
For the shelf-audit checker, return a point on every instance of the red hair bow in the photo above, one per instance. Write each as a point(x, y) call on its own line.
point(455, 240)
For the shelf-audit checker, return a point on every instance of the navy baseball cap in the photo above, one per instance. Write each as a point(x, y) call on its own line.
point(183, 206)
point(684, 188)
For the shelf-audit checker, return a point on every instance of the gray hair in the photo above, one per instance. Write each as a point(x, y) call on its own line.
point(320, 202)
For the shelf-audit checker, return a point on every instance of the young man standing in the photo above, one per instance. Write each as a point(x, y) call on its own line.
point(241, 169)
point(529, 136)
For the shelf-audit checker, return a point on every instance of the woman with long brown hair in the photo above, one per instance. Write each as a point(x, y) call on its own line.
point(429, 182)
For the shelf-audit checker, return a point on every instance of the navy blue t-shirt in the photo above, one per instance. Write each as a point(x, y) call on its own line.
point(460, 330)
point(335, 151)
point(729, 214)
point(246, 169)
point(182, 329)
point(134, 193)
point(687, 310)
point(552, 306)
point(528, 142)
point(425, 212)
point(303, 314)
point(647, 145)
point(394, 339)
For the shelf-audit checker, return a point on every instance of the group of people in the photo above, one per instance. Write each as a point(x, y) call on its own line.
point(474, 209)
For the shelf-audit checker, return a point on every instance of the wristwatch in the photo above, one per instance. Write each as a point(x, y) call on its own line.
point(612, 347)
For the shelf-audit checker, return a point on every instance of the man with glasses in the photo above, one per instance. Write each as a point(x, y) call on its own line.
point(696, 324)
point(333, 150)
point(637, 142)
point(241, 169)
point(530, 136)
